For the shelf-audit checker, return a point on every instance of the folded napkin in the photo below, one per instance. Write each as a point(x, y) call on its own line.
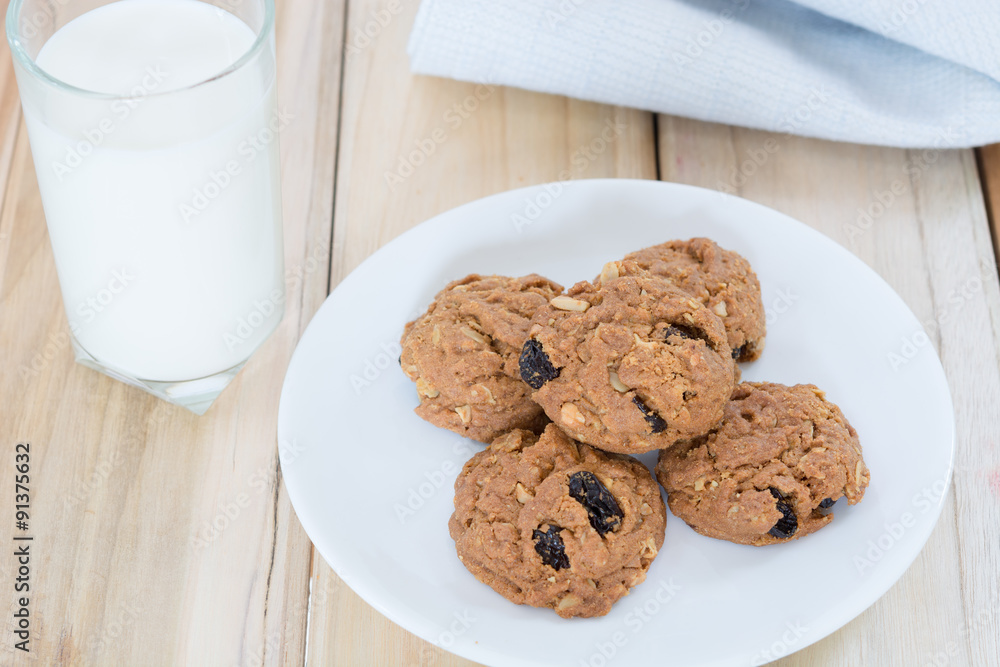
point(913, 73)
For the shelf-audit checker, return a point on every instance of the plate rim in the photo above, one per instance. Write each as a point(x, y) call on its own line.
point(866, 596)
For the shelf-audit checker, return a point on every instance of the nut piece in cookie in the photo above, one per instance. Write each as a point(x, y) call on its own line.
point(463, 355)
point(548, 522)
point(638, 367)
point(779, 459)
point(721, 279)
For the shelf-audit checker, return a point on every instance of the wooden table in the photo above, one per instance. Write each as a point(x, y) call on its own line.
point(128, 568)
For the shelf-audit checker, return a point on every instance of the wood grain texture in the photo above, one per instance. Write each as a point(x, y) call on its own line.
point(989, 173)
point(10, 115)
point(129, 568)
point(10, 119)
point(493, 140)
point(929, 238)
point(125, 486)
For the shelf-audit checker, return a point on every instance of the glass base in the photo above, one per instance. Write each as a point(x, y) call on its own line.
point(195, 395)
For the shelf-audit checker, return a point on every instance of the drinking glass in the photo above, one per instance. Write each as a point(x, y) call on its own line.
point(159, 179)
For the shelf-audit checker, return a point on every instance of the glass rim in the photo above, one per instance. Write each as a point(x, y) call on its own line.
point(28, 63)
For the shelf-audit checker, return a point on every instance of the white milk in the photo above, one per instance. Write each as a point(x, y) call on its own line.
point(163, 210)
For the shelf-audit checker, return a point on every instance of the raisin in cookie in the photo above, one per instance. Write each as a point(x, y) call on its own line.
point(780, 456)
point(721, 279)
point(463, 353)
point(630, 366)
point(548, 522)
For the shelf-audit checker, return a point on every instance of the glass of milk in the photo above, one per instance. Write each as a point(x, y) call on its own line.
point(154, 130)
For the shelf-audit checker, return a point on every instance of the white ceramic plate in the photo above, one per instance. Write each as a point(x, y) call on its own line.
point(372, 483)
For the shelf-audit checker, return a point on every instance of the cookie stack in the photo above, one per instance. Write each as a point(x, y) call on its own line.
point(566, 385)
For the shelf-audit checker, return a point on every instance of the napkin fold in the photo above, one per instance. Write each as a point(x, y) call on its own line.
point(910, 73)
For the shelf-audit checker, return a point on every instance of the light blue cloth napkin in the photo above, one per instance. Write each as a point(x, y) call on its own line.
point(914, 73)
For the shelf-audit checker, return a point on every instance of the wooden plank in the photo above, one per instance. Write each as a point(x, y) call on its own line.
point(493, 140)
point(989, 174)
point(928, 237)
point(10, 119)
point(124, 485)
